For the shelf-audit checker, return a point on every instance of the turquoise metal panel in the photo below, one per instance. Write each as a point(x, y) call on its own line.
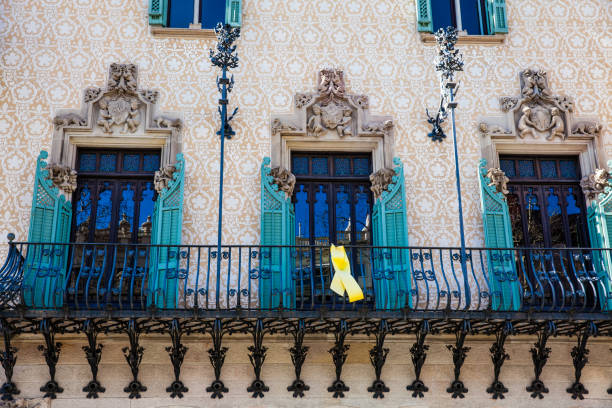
point(158, 12)
point(233, 12)
point(496, 16)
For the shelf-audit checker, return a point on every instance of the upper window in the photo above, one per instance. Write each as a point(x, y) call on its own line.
point(194, 14)
point(473, 17)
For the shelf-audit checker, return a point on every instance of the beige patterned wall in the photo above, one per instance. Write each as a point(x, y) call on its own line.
point(50, 50)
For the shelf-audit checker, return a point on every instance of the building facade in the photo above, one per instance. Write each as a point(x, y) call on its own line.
point(110, 118)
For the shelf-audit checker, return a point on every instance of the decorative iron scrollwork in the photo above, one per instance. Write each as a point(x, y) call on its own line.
point(51, 352)
point(418, 352)
point(8, 358)
point(498, 356)
point(298, 356)
point(339, 354)
point(378, 357)
point(539, 355)
point(457, 388)
point(177, 355)
point(257, 356)
point(217, 358)
point(93, 353)
point(133, 356)
point(580, 359)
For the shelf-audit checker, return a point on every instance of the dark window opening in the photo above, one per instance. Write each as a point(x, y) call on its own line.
point(465, 15)
point(211, 12)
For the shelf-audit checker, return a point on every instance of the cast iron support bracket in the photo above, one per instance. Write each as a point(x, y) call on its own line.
point(540, 354)
point(418, 351)
point(457, 388)
point(257, 356)
point(177, 355)
point(298, 356)
point(499, 356)
point(378, 357)
point(133, 356)
point(339, 354)
point(8, 358)
point(217, 358)
point(51, 352)
point(580, 359)
point(93, 353)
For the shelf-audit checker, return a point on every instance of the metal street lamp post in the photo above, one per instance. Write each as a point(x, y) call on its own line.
point(449, 61)
point(224, 57)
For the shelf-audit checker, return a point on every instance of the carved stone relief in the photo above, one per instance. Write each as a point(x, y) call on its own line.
point(162, 177)
point(26, 403)
point(120, 110)
point(63, 177)
point(537, 113)
point(334, 117)
point(380, 181)
point(284, 179)
point(498, 180)
point(595, 183)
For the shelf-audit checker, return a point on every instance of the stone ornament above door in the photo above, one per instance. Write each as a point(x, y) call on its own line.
point(331, 119)
point(120, 115)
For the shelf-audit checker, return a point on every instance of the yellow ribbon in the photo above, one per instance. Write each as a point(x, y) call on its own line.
point(343, 280)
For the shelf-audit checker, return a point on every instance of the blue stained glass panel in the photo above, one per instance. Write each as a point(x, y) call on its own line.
point(108, 162)
point(361, 167)
point(508, 167)
point(87, 162)
point(549, 168)
point(342, 166)
point(572, 205)
point(553, 206)
point(300, 166)
point(126, 209)
point(526, 168)
point(568, 169)
point(302, 221)
point(83, 206)
point(343, 216)
point(321, 214)
point(131, 162)
point(320, 166)
point(362, 215)
point(151, 162)
point(104, 213)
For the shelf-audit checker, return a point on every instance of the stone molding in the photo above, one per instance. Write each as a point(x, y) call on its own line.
point(187, 33)
point(120, 115)
point(331, 118)
point(495, 39)
point(27, 403)
point(539, 122)
point(595, 183)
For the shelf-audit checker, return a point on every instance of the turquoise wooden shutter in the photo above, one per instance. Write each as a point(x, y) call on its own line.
point(277, 228)
point(233, 12)
point(502, 275)
point(599, 219)
point(424, 19)
point(496, 16)
point(44, 272)
point(158, 12)
point(165, 270)
point(392, 270)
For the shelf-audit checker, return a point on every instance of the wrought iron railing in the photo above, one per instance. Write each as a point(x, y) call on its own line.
point(79, 276)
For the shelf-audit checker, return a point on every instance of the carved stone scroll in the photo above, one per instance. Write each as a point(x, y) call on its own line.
point(498, 180)
point(63, 177)
point(595, 183)
point(284, 179)
point(380, 181)
point(162, 177)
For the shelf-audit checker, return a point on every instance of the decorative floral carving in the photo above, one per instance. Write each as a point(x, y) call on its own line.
point(122, 77)
point(119, 110)
point(361, 101)
point(383, 127)
point(162, 177)
point(302, 100)
point(91, 94)
point(498, 179)
point(507, 103)
point(278, 126)
point(63, 177)
point(595, 183)
point(69, 120)
point(331, 85)
point(534, 83)
point(163, 122)
point(586, 128)
point(26, 403)
point(284, 179)
point(491, 129)
point(380, 181)
point(149, 95)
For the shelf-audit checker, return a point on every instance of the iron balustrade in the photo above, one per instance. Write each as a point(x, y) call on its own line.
point(130, 277)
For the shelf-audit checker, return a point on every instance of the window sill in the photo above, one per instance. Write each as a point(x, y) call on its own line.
point(168, 32)
point(429, 38)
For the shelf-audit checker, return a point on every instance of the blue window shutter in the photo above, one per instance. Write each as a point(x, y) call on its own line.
point(165, 270)
point(158, 12)
point(424, 18)
point(392, 270)
point(233, 12)
point(50, 219)
point(502, 275)
point(496, 16)
point(600, 231)
point(277, 228)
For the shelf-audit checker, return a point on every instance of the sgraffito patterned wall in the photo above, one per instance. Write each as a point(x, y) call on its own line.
point(50, 50)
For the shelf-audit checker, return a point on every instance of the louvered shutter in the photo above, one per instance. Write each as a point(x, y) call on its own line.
point(158, 12)
point(44, 271)
point(502, 275)
point(600, 231)
point(277, 228)
point(424, 19)
point(392, 270)
point(166, 269)
point(496, 16)
point(233, 12)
